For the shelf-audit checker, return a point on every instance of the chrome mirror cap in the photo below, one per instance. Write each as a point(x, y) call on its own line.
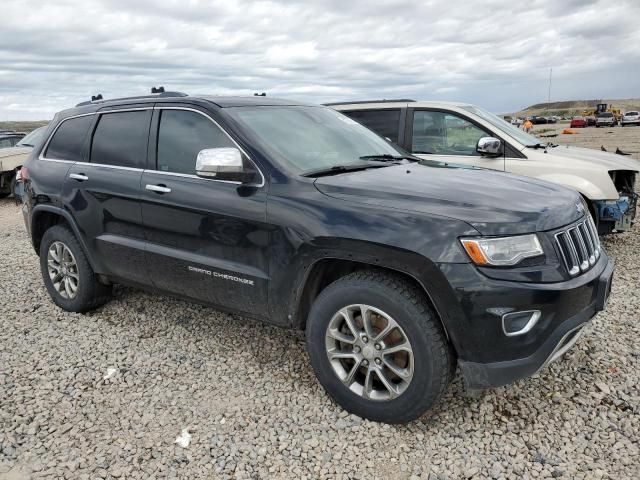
point(212, 162)
point(490, 146)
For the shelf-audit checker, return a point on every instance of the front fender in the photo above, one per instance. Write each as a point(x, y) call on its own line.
point(602, 188)
point(290, 288)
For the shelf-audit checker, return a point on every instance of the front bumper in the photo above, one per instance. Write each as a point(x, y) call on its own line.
point(487, 357)
point(620, 212)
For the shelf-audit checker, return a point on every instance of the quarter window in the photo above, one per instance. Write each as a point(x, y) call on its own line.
point(385, 123)
point(181, 135)
point(120, 139)
point(443, 133)
point(69, 138)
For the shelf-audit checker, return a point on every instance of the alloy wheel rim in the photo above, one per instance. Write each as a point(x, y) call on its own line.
point(63, 270)
point(369, 352)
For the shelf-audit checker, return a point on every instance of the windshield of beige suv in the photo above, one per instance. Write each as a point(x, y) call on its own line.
point(309, 138)
point(519, 135)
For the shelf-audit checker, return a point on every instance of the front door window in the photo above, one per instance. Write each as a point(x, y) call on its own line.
point(443, 133)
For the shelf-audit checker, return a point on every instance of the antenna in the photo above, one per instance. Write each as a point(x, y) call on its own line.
point(157, 89)
point(260, 94)
point(549, 98)
point(95, 98)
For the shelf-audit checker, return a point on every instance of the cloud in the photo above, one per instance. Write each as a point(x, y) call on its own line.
point(497, 56)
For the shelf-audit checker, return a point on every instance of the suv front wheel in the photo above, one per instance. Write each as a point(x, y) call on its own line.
point(67, 275)
point(378, 348)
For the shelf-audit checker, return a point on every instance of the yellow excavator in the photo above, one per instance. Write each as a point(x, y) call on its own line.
point(601, 108)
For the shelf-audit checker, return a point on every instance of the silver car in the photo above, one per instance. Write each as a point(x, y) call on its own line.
point(606, 119)
point(630, 118)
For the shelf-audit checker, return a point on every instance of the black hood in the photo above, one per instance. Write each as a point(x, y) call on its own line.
point(494, 203)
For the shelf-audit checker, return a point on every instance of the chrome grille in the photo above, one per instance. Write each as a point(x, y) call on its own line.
point(579, 246)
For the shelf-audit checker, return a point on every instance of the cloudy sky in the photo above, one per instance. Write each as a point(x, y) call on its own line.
point(493, 53)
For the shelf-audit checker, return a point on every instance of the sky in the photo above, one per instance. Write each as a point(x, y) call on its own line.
point(493, 53)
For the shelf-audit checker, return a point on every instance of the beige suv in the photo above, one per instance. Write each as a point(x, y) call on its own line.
point(464, 133)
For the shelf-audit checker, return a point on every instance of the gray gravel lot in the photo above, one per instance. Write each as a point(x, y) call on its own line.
point(248, 397)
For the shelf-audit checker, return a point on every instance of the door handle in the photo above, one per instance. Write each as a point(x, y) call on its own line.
point(158, 188)
point(81, 177)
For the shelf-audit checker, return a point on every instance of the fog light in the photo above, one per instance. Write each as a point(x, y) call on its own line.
point(519, 323)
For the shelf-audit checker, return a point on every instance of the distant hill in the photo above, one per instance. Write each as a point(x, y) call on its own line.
point(23, 126)
point(575, 107)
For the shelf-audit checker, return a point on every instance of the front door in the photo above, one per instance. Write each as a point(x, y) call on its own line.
point(448, 137)
point(207, 239)
point(104, 193)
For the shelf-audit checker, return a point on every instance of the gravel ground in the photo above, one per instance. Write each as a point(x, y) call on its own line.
point(247, 396)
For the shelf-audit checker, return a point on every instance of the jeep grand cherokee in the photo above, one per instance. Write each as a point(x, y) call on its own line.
point(398, 268)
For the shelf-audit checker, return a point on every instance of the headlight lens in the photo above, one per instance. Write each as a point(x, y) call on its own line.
point(502, 251)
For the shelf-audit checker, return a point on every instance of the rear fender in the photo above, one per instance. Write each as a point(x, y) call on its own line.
point(39, 210)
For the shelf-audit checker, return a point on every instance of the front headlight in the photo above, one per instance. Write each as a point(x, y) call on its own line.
point(502, 251)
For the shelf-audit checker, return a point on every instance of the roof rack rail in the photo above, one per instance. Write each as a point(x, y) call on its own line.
point(94, 98)
point(156, 93)
point(384, 100)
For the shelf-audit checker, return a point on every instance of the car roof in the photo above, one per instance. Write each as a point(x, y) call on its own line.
point(398, 104)
point(218, 101)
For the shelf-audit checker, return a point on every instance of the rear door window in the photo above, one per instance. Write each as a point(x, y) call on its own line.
point(69, 138)
point(385, 123)
point(181, 135)
point(121, 138)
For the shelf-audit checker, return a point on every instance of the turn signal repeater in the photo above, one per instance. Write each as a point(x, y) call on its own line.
point(474, 252)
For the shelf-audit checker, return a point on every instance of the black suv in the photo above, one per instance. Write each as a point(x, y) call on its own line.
point(398, 268)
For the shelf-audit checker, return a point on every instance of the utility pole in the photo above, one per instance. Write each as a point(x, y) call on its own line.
point(549, 98)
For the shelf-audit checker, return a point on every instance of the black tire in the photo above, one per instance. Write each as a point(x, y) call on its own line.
point(90, 293)
point(407, 305)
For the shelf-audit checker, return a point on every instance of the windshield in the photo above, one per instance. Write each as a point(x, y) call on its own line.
point(605, 115)
point(32, 138)
point(311, 138)
point(631, 113)
point(519, 135)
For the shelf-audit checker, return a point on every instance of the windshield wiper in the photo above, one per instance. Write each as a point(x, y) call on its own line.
point(322, 172)
point(543, 145)
point(385, 157)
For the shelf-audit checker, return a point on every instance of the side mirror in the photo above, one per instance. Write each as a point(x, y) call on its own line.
point(222, 164)
point(489, 146)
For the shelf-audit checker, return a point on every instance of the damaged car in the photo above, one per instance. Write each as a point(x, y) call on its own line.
point(432, 130)
point(12, 158)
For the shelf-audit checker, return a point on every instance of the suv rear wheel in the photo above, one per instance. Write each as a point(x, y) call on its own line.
point(67, 275)
point(377, 347)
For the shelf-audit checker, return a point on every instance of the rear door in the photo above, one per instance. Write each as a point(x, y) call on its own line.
point(448, 137)
point(207, 239)
point(104, 192)
point(386, 122)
